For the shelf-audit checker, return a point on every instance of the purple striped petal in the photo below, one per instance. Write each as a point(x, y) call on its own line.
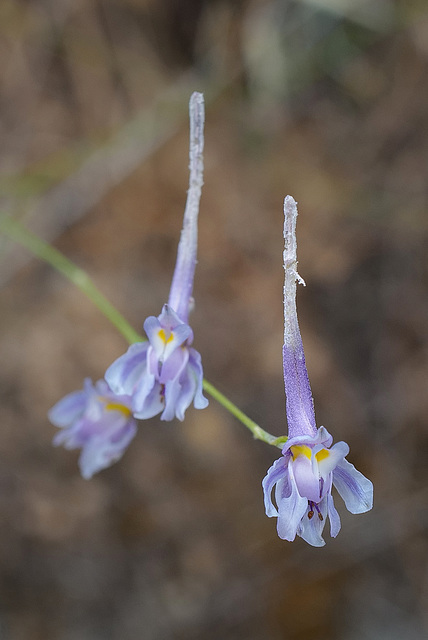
point(333, 516)
point(68, 409)
point(355, 489)
point(291, 510)
point(104, 450)
point(124, 374)
point(196, 372)
point(276, 472)
point(311, 529)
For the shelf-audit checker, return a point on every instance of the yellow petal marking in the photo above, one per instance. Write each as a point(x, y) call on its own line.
point(115, 406)
point(301, 450)
point(162, 336)
point(322, 454)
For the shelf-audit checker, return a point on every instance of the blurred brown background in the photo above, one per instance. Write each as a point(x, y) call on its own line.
point(324, 99)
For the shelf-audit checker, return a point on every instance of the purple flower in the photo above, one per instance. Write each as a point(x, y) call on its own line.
point(96, 420)
point(164, 375)
point(303, 477)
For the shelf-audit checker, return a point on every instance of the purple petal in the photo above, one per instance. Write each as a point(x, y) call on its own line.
point(71, 437)
point(355, 489)
point(275, 473)
point(307, 482)
point(172, 394)
point(333, 516)
point(190, 381)
point(291, 510)
point(102, 451)
point(101, 388)
point(195, 365)
point(311, 529)
point(166, 333)
point(87, 428)
point(180, 334)
point(152, 326)
point(169, 319)
point(283, 487)
point(150, 401)
point(332, 459)
point(125, 372)
point(68, 409)
point(184, 388)
point(174, 365)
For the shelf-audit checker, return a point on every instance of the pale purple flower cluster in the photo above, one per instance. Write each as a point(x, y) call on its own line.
point(303, 477)
point(162, 375)
point(97, 421)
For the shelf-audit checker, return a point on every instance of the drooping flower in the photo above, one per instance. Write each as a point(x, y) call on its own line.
point(164, 375)
point(97, 421)
point(303, 477)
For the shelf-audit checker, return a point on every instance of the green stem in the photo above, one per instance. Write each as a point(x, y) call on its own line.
point(256, 430)
point(44, 251)
point(16, 232)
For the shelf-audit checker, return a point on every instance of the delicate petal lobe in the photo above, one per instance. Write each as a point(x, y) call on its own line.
point(355, 489)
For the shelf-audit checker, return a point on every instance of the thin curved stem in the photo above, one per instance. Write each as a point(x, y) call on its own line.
point(17, 232)
point(256, 430)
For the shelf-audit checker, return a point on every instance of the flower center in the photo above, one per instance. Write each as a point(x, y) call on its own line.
point(162, 336)
point(116, 406)
point(301, 450)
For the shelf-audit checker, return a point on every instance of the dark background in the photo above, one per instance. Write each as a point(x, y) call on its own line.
point(326, 100)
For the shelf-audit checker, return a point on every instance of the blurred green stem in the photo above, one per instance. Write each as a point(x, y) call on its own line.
point(18, 233)
point(15, 231)
point(258, 432)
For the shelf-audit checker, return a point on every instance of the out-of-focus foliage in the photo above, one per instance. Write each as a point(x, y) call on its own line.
point(324, 99)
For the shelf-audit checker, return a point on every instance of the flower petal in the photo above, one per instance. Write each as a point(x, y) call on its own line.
point(190, 381)
point(153, 329)
point(355, 489)
point(195, 365)
point(71, 437)
point(125, 372)
point(149, 400)
point(180, 334)
point(68, 409)
point(333, 516)
point(173, 365)
point(307, 482)
point(275, 473)
point(166, 333)
point(102, 451)
point(291, 510)
point(327, 459)
point(311, 529)
point(169, 319)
